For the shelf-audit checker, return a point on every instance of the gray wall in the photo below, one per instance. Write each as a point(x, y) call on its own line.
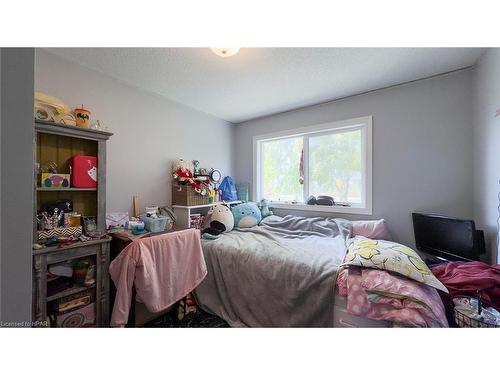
point(16, 167)
point(487, 146)
point(150, 131)
point(422, 147)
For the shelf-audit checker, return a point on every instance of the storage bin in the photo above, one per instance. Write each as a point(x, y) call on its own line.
point(84, 171)
point(54, 181)
point(159, 224)
point(59, 232)
point(184, 195)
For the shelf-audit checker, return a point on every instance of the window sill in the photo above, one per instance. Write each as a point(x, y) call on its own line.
point(318, 208)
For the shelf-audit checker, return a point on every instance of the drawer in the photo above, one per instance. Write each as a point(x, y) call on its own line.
point(66, 254)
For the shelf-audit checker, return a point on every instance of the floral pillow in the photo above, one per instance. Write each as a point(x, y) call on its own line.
point(390, 256)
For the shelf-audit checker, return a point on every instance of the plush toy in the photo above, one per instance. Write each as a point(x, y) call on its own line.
point(264, 208)
point(183, 173)
point(246, 215)
point(219, 220)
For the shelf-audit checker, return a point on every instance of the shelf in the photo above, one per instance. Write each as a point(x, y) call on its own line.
point(65, 189)
point(205, 205)
point(70, 291)
point(70, 130)
point(77, 244)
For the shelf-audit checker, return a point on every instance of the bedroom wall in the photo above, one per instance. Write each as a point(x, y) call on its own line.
point(422, 147)
point(150, 131)
point(487, 146)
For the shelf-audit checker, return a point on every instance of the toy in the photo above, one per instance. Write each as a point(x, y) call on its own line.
point(246, 215)
point(264, 208)
point(183, 173)
point(219, 220)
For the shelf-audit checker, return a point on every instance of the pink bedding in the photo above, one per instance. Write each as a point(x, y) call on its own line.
point(379, 295)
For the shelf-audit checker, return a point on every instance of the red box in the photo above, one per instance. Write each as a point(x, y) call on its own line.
point(84, 171)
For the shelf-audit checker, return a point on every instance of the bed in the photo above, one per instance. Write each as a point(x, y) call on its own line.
point(281, 273)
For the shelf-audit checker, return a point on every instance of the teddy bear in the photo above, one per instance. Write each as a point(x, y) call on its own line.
point(264, 208)
point(183, 173)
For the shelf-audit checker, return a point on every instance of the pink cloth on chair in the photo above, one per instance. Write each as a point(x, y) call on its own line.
point(162, 268)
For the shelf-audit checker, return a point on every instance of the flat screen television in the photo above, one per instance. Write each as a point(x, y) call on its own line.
point(447, 237)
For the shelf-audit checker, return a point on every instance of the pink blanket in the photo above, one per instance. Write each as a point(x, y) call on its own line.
point(162, 268)
point(466, 279)
point(379, 295)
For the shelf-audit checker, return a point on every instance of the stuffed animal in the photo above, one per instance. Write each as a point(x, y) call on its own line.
point(183, 173)
point(219, 220)
point(264, 208)
point(246, 215)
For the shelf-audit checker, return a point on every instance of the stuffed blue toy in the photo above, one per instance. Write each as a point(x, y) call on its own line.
point(246, 215)
point(264, 208)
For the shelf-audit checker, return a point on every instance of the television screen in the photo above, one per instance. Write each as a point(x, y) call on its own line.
point(446, 237)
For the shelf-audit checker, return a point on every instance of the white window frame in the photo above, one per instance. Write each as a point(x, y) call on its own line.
point(365, 124)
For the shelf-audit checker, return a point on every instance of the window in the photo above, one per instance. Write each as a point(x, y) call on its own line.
point(331, 159)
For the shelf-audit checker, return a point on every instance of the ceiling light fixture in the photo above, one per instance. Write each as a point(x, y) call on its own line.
point(225, 51)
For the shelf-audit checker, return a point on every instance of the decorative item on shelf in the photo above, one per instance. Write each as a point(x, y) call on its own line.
point(48, 221)
point(51, 179)
point(74, 219)
point(59, 234)
point(89, 224)
point(55, 180)
point(83, 171)
point(82, 117)
point(183, 174)
point(80, 270)
point(196, 167)
point(50, 108)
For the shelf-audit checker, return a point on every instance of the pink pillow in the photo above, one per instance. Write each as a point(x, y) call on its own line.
point(373, 229)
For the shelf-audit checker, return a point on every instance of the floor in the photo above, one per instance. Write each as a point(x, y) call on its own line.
point(199, 319)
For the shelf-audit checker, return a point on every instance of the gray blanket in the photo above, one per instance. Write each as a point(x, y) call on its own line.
point(281, 273)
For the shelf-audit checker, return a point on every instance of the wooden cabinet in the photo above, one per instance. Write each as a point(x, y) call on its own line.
point(59, 143)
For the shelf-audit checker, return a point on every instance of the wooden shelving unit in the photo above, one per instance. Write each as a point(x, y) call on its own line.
point(58, 143)
point(183, 213)
point(65, 189)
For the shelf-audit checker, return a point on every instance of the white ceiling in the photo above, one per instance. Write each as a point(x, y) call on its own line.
point(262, 81)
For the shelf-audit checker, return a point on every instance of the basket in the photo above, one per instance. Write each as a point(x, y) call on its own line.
point(44, 235)
point(184, 195)
point(160, 224)
point(465, 321)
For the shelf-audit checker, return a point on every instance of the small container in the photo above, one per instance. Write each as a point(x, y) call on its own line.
point(82, 117)
point(75, 220)
point(84, 171)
